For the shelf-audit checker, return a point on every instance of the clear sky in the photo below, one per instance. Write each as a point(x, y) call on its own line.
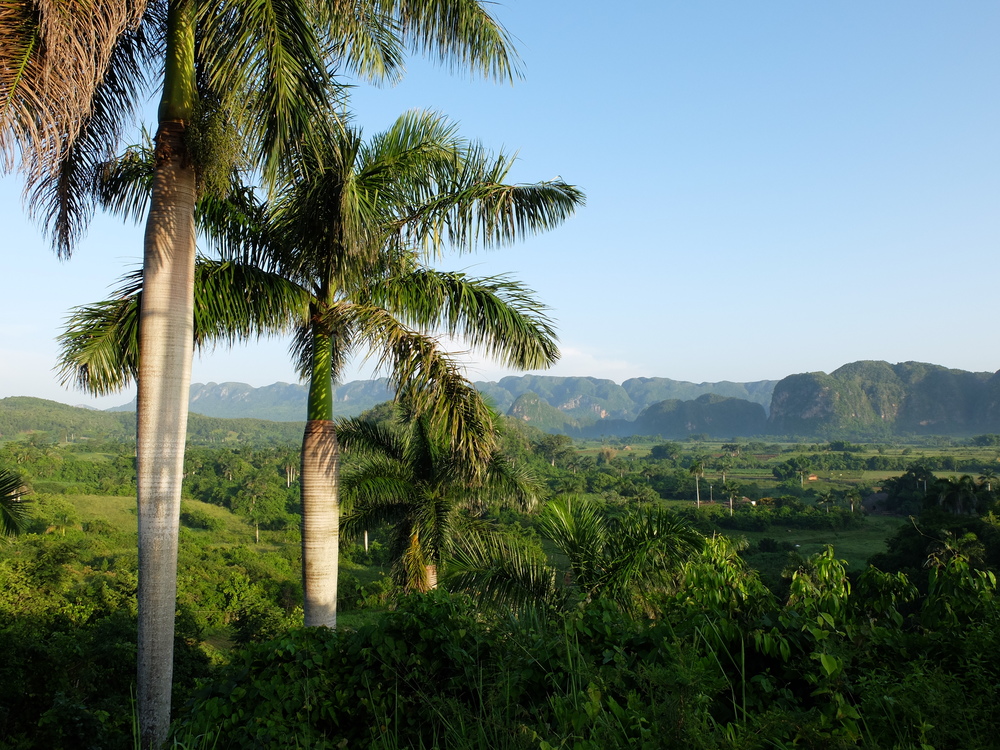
point(772, 188)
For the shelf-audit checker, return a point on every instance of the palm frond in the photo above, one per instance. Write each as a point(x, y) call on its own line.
point(431, 381)
point(496, 314)
point(645, 548)
point(364, 437)
point(13, 509)
point(363, 39)
point(54, 56)
point(234, 302)
point(62, 198)
point(473, 205)
point(125, 182)
point(461, 33)
point(272, 52)
point(500, 573)
point(99, 348)
point(411, 568)
point(237, 226)
point(509, 484)
point(371, 500)
point(579, 530)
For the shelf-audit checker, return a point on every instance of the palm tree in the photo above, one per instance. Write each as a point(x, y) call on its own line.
point(697, 470)
point(624, 559)
point(853, 496)
point(956, 495)
point(987, 477)
point(826, 499)
point(732, 490)
point(416, 483)
point(259, 73)
point(13, 509)
point(338, 249)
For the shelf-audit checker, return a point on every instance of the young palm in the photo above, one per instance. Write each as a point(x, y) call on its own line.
point(71, 79)
point(341, 244)
point(414, 481)
point(624, 559)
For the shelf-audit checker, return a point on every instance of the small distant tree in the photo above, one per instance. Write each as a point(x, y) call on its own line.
point(260, 499)
point(662, 451)
point(554, 447)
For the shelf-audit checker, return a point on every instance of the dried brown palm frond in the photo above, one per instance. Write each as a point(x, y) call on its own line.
point(54, 55)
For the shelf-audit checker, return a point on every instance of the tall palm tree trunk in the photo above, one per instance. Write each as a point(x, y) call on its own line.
point(166, 341)
point(320, 501)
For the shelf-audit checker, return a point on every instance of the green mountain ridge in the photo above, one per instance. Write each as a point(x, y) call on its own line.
point(863, 400)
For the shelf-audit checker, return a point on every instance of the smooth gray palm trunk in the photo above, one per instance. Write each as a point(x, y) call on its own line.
point(320, 522)
point(166, 341)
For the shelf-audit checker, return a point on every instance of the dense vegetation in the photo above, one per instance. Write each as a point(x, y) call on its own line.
point(751, 641)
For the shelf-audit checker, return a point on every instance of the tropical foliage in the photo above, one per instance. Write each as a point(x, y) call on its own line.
point(428, 495)
point(13, 511)
point(337, 253)
point(624, 559)
point(242, 85)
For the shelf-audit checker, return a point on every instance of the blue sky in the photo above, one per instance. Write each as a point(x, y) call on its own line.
point(771, 188)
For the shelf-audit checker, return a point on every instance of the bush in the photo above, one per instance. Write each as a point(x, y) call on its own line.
point(196, 518)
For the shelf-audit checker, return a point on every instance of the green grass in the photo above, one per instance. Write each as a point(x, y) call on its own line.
point(120, 512)
point(855, 546)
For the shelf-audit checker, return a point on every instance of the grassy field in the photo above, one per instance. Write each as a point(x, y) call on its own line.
point(854, 546)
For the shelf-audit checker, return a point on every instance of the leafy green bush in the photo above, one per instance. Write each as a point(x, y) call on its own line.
point(196, 518)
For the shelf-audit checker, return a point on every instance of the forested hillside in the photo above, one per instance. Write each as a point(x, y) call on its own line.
point(878, 399)
point(866, 400)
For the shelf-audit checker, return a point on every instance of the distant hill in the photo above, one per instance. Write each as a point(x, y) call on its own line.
point(583, 400)
point(876, 398)
point(588, 400)
point(21, 415)
point(280, 402)
point(860, 400)
point(709, 414)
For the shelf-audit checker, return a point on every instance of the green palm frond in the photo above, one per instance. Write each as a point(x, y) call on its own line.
point(645, 548)
point(496, 314)
point(578, 529)
point(427, 378)
point(509, 484)
point(272, 54)
point(235, 302)
point(461, 33)
point(370, 438)
point(472, 204)
point(380, 501)
point(99, 349)
point(13, 508)
point(237, 226)
point(434, 520)
point(124, 183)
point(501, 573)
